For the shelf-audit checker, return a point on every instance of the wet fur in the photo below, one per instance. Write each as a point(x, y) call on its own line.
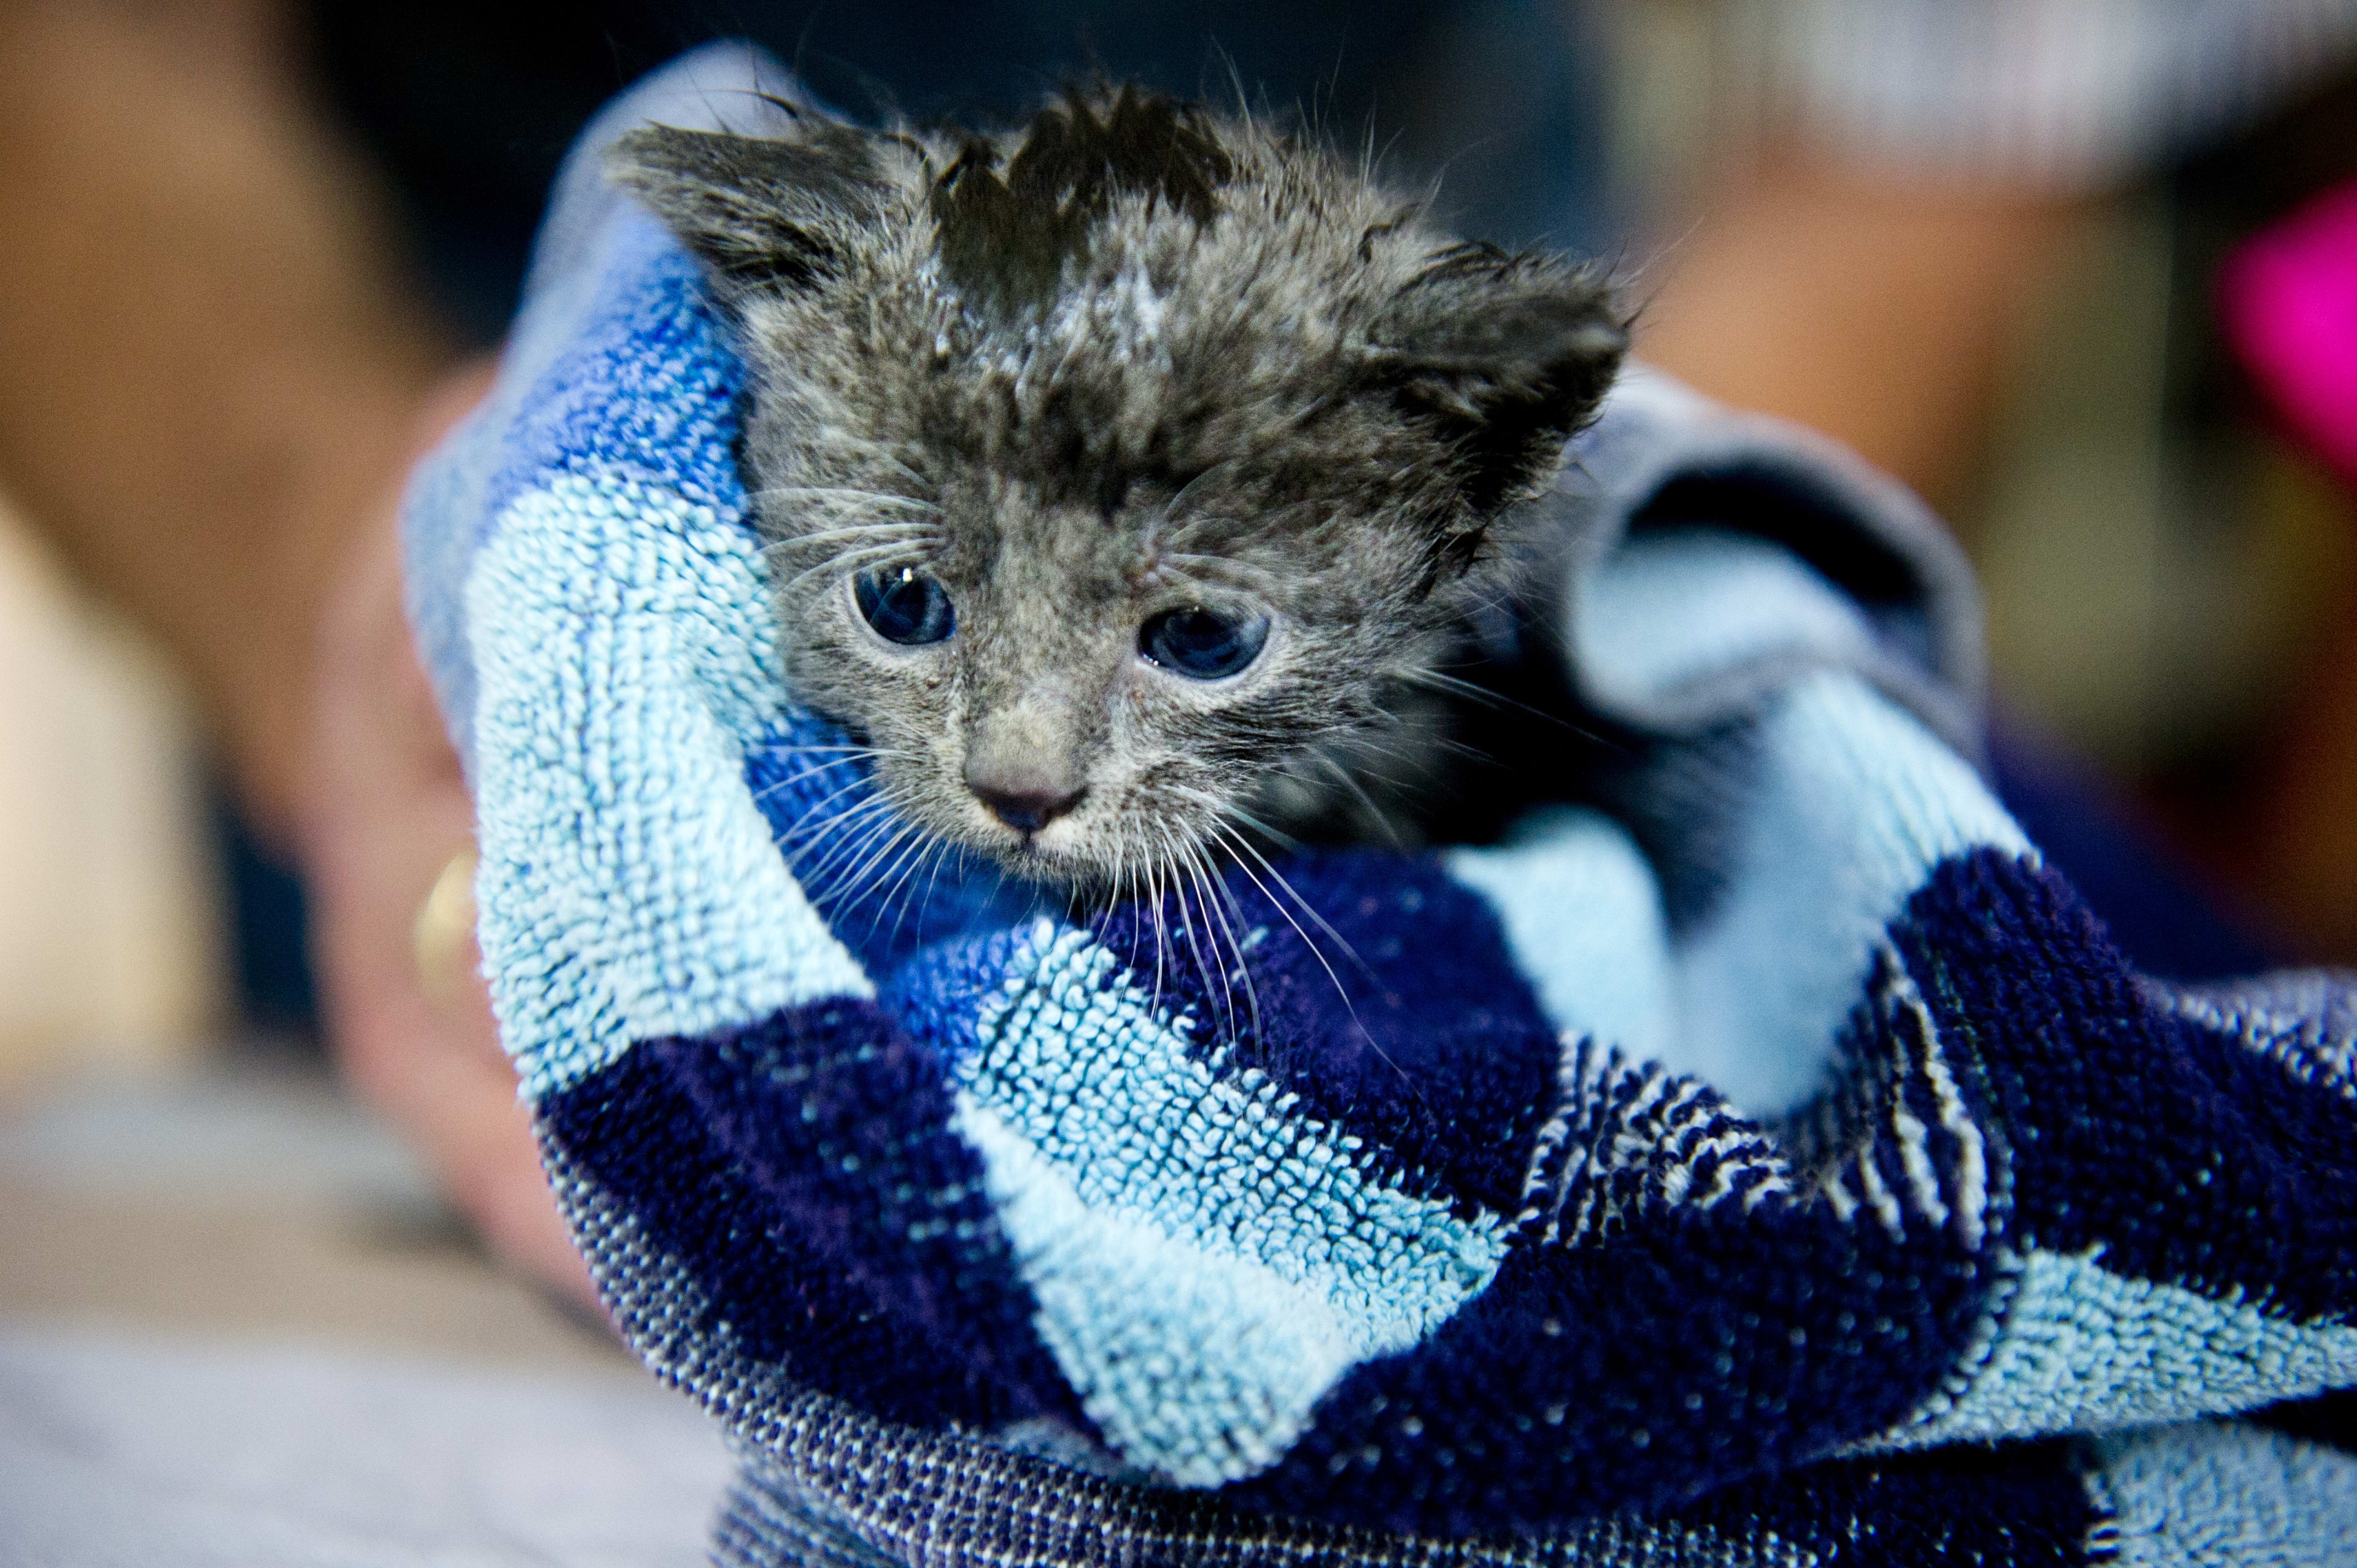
point(1134, 357)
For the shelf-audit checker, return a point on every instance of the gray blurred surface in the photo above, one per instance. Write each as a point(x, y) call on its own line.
point(119, 1449)
point(281, 1137)
point(237, 1328)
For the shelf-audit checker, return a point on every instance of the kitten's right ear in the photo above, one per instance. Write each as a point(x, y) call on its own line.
point(760, 212)
point(1505, 356)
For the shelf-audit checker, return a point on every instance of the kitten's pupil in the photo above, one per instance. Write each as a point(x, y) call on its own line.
point(904, 605)
point(1202, 644)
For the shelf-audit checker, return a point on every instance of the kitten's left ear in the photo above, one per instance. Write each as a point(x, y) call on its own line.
point(1507, 355)
point(759, 211)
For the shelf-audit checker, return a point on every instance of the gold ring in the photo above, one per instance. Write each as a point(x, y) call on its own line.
point(444, 931)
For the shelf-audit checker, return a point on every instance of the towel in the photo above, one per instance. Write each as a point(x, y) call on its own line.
point(1757, 1156)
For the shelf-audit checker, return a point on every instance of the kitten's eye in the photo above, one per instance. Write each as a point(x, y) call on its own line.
point(1201, 644)
point(904, 605)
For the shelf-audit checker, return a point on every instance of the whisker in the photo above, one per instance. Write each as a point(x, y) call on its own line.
point(848, 560)
point(823, 881)
point(830, 536)
point(766, 791)
point(1382, 817)
point(875, 453)
point(852, 832)
point(942, 851)
point(1208, 965)
point(1305, 907)
point(795, 828)
point(1187, 925)
point(824, 839)
point(1436, 681)
point(1210, 882)
point(1315, 951)
point(1161, 935)
point(1170, 508)
point(842, 493)
point(1284, 840)
point(910, 860)
point(859, 882)
point(1221, 568)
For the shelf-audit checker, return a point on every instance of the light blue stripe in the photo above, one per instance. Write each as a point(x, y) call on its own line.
point(2080, 1348)
point(629, 888)
point(1582, 914)
point(1669, 609)
point(1852, 806)
point(1124, 1169)
point(1196, 1365)
point(2229, 1496)
point(442, 512)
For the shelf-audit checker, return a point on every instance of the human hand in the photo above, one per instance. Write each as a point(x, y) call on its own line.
point(385, 820)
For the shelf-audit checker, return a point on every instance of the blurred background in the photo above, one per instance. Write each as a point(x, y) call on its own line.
point(1994, 244)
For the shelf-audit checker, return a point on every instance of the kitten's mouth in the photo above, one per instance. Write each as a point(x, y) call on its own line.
point(1041, 856)
point(1042, 860)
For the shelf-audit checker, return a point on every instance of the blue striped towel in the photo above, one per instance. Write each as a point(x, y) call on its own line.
point(1779, 1166)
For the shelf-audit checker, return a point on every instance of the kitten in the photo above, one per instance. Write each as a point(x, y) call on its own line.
point(1128, 474)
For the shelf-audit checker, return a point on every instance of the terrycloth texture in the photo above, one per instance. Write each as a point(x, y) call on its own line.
point(1706, 1179)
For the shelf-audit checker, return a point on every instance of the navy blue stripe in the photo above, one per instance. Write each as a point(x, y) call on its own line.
point(1691, 1349)
point(1684, 1351)
point(2019, 1506)
point(805, 1172)
point(2190, 1157)
point(1394, 1012)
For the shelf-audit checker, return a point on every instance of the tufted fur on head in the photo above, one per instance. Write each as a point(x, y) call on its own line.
point(1133, 361)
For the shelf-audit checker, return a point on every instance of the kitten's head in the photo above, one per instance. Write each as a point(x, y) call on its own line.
point(1117, 472)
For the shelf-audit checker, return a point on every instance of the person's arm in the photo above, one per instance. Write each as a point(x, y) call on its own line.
point(213, 378)
point(210, 364)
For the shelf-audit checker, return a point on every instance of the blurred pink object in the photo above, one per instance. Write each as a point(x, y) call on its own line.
point(2288, 299)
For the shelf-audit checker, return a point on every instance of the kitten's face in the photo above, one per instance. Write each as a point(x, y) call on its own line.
point(1092, 693)
point(1113, 501)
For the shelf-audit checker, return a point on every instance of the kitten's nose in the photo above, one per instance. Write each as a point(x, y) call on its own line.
point(1024, 801)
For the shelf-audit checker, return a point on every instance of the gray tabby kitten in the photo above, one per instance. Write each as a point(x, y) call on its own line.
point(1132, 472)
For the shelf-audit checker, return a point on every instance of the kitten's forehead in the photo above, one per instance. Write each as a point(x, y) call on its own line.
point(1127, 270)
point(1013, 218)
point(1220, 386)
point(1132, 304)
point(1122, 318)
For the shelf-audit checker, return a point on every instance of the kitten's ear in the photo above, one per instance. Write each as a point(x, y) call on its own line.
point(1506, 355)
point(760, 212)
